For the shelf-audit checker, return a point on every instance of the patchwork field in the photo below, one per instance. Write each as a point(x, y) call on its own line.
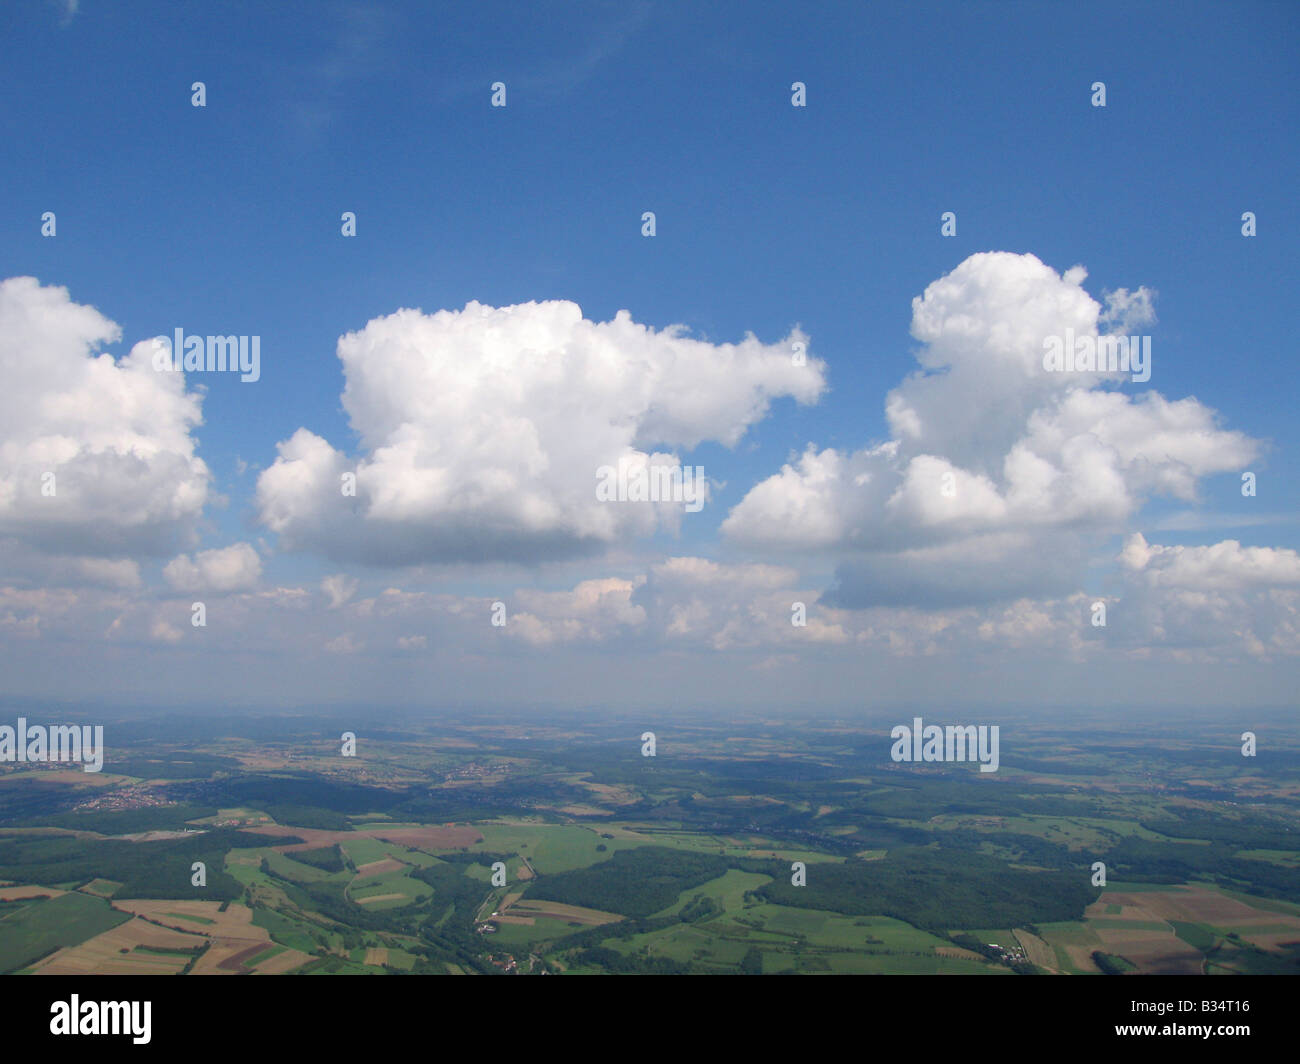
point(135, 947)
point(679, 864)
point(237, 944)
point(1170, 929)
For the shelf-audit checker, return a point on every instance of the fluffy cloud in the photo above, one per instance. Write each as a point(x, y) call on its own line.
point(96, 456)
point(722, 634)
point(702, 604)
point(593, 611)
point(1220, 566)
point(1207, 603)
point(482, 431)
point(233, 568)
point(995, 465)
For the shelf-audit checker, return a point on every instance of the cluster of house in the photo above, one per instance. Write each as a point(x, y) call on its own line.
point(1007, 954)
point(116, 799)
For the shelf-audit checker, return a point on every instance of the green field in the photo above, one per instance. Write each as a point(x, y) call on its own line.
point(398, 882)
point(365, 850)
point(550, 848)
point(191, 918)
point(44, 925)
point(728, 890)
point(526, 935)
point(286, 867)
point(1199, 936)
point(295, 934)
point(265, 955)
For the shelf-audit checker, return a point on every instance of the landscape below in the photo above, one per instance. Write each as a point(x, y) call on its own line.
point(517, 845)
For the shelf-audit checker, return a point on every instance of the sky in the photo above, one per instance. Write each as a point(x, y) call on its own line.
point(812, 257)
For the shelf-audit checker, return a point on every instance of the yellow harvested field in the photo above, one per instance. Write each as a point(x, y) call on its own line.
point(100, 888)
point(378, 868)
point(957, 952)
point(514, 920)
point(376, 955)
point(281, 963)
point(1274, 940)
point(379, 897)
point(573, 913)
point(1082, 957)
point(1038, 951)
point(18, 893)
point(235, 922)
point(1199, 905)
point(249, 861)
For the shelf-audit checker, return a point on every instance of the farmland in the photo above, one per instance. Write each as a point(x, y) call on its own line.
point(752, 849)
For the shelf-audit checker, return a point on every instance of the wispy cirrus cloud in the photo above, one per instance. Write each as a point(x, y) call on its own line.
point(598, 41)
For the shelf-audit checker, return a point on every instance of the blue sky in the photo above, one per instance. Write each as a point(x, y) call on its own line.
point(225, 220)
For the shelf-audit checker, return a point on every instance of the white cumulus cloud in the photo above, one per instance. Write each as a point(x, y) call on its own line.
point(482, 431)
point(233, 568)
point(995, 464)
point(96, 452)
